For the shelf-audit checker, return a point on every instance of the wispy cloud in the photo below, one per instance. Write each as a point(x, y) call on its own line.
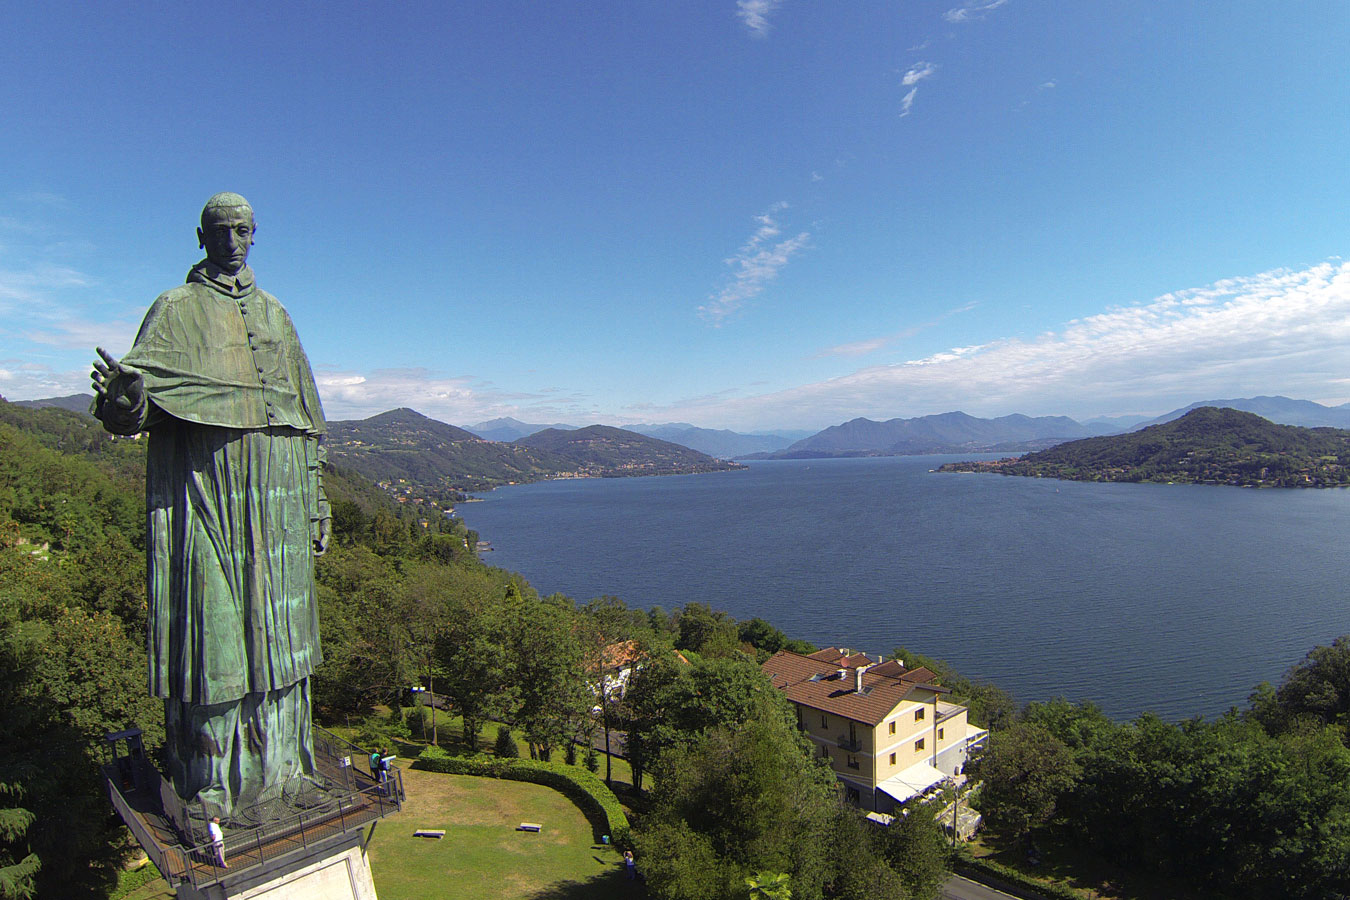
point(917, 72)
point(913, 75)
point(1282, 332)
point(755, 15)
point(968, 12)
point(756, 264)
point(1045, 85)
point(871, 345)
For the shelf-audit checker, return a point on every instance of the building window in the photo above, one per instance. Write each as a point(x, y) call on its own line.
point(824, 722)
point(918, 714)
point(825, 752)
point(940, 730)
point(892, 759)
point(852, 761)
point(892, 728)
point(918, 745)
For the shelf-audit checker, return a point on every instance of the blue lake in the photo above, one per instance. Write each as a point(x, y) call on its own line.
point(1174, 599)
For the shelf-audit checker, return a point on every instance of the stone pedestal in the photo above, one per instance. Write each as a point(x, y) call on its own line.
point(336, 870)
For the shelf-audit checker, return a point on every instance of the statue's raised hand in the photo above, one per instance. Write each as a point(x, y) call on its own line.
point(126, 395)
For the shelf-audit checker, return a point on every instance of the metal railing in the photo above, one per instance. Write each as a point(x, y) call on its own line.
point(344, 798)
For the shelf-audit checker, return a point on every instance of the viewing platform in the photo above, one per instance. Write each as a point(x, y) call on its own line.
point(319, 820)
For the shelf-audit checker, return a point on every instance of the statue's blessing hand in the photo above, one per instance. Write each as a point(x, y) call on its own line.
point(107, 370)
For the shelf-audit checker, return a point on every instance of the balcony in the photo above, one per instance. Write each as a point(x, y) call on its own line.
point(340, 799)
point(848, 742)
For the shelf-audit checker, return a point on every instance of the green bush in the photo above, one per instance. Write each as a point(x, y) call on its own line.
point(997, 872)
point(592, 760)
point(585, 789)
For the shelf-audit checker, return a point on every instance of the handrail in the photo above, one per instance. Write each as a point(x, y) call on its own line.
point(355, 800)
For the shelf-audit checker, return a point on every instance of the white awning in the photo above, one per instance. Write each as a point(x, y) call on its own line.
point(911, 782)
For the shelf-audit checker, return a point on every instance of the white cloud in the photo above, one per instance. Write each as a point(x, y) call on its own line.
point(457, 399)
point(972, 11)
point(1045, 85)
point(755, 15)
point(756, 264)
point(907, 101)
point(917, 72)
point(1280, 332)
point(913, 75)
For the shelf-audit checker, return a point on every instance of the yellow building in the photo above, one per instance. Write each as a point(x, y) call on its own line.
point(886, 730)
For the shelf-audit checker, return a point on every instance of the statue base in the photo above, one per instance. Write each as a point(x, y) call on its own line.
point(337, 870)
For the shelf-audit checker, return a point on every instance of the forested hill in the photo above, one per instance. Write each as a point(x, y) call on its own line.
point(431, 457)
point(1206, 446)
point(419, 456)
point(606, 451)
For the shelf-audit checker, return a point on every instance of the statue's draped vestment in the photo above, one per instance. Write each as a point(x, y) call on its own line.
point(234, 495)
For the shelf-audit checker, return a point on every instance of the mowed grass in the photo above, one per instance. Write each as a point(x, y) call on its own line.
point(482, 854)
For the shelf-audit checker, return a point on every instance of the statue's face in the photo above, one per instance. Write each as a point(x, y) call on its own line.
point(227, 235)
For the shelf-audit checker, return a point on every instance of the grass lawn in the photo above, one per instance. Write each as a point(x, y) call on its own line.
point(482, 855)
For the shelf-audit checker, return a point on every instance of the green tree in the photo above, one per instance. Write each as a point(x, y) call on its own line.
point(1025, 770)
point(472, 650)
point(18, 866)
point(916, 849)
point(549, 675)
point(706, 632)
point(1318, 688)
point(754, 797)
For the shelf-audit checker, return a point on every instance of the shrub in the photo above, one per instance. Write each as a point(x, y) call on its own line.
point(505, 748)
point(570, 757)
point(591, 795)
point(592, 759)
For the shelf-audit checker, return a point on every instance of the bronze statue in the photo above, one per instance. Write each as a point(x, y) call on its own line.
point(237, 514)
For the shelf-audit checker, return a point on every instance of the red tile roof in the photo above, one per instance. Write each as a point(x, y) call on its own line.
point(813, 681)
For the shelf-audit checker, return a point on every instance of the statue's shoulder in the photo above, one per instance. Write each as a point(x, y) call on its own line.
point(180, 294)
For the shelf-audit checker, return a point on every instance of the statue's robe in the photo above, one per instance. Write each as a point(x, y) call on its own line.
point(234, 494)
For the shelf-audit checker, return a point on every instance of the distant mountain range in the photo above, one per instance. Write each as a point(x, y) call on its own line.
point(956, 432)
point(715, 442)
point(404, 447)
point(1281, 410)
point(722, 444)
point(1205, 446)
point(461, 455)
point(953, 432)
point(509, 429)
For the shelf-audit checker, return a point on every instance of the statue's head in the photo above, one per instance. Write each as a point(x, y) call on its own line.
point(227, 231)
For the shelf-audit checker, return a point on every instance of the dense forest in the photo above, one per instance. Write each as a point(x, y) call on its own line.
point(1253, 804)
point(1206, 446)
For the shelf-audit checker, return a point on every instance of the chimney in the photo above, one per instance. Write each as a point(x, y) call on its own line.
point(857, 677)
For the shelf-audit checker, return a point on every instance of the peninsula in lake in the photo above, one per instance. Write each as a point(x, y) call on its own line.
point(1208, 445)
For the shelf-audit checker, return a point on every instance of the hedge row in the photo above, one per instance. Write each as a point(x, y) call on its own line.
point(584, 788)
point(1002, 876)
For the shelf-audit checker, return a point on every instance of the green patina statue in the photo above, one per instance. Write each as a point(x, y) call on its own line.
point(237, 514)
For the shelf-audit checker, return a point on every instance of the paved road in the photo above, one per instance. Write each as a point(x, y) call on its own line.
point(958, 888)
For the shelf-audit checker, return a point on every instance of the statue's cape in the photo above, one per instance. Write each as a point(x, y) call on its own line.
point(219, 351)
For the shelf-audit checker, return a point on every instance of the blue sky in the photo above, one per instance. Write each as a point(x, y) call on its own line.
point(748, 214)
